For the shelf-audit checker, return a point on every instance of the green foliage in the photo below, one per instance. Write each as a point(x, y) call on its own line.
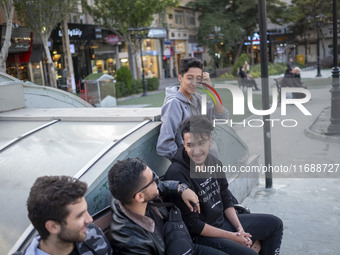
point(42, 16)
point(273, 69)
point(123, 74)
point(236, 20)
point(121, 89)
point(123, 82)
point(244, 57)
point(136, 86)
point(303, 14)
point(152, 84)
point(226, 76)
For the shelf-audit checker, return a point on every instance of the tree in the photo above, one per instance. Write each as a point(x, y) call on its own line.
point(8, 8)
point(42, 16)
point(304, 15)
point(121, 16)
point(237, 20)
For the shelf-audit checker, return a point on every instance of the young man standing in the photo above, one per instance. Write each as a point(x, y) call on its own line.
point(58, 211)
point(182, 102)
point(137, 227)
point(217, 225)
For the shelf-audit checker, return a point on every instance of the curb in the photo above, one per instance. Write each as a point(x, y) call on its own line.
point(322, 121)
point(311, 134)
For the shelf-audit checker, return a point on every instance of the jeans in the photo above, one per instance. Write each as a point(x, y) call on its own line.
point(264, 227)
point(206, 250)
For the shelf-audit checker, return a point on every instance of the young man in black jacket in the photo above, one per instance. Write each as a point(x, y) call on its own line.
point(137, 227)
point(217, 225)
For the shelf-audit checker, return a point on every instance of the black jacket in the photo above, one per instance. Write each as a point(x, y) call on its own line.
point(132, 233)
point(289, 80)
point(214, 195)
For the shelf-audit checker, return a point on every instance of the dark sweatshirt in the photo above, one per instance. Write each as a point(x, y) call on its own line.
point(214, 195)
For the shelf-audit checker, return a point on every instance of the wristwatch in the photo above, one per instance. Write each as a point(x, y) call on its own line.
point(182, 187)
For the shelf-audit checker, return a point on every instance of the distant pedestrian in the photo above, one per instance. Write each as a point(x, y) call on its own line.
point(247, 79)
point(291, 64)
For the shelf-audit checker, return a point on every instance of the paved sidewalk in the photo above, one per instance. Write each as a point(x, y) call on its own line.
point(309, 207)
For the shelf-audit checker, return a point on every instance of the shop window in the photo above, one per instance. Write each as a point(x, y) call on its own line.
point(18, 70)
point(150, 66)
point(98, 66)
point(36, 73)
point(147, 44)
point(111, 66)
point(124, 62)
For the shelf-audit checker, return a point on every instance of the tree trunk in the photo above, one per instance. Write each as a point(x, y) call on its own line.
point(8, 35)
point(71, 84)
point(238, 51)
point(51, 67)
point(139, 64)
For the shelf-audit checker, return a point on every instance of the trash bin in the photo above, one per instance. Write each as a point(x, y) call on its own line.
point(300, 58)
point(101, 89)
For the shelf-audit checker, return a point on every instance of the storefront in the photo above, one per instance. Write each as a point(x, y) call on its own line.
point(282, 47)
point(151, 50)
point(24, 59)
point(179, 39)
point(93, 50)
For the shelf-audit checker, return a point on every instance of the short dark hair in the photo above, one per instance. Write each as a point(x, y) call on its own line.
point(49, 198)
point(125, 179)
point(189, 62)
point(196, 124)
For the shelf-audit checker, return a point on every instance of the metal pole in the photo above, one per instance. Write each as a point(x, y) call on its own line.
point(143, 75)
point(265, 90)
point(334, 127)
point(318, 49)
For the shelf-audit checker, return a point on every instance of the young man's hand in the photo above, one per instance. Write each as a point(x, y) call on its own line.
point(206, 78)
point(247, 236)
point(243, 238)
point(191, 200)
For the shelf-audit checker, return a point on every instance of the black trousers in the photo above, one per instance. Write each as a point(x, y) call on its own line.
point(206, 250)
point(264, 227)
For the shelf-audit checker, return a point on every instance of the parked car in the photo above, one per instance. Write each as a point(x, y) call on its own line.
point(83, 142)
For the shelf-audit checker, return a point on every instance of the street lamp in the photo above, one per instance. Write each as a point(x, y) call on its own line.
point(334, 127)
point(140, 37)
point(143, 74)
point(217, 36)
point(319, 22)
point(265, 90)
point(305, 38)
